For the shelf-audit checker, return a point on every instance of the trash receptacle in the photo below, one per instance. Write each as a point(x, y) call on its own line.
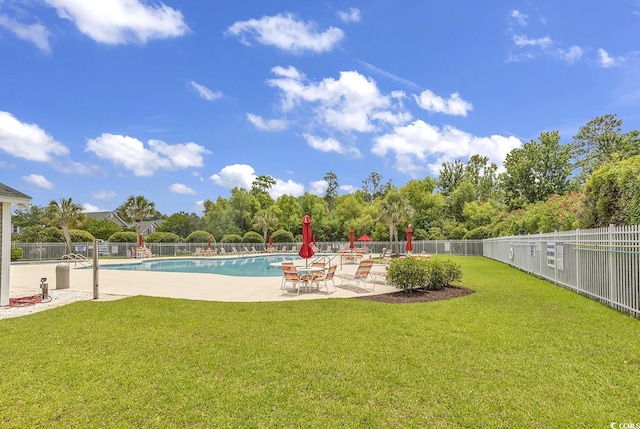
point(62, 276)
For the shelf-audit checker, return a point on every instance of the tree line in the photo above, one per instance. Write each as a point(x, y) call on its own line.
point(544, 186)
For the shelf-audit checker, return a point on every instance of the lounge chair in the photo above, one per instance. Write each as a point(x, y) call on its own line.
point(359, 277)
point(234, 251)
point(246, 249)
point(387, 256)
point(284, 249)
point(222, 251)
point(253, 250)
point(199, 251)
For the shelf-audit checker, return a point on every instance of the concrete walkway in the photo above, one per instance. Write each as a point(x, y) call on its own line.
point(207, 287)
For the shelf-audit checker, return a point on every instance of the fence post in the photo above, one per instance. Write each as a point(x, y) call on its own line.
point(612, 289)
point(576, 247)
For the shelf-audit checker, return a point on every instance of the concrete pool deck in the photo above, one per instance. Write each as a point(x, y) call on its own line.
point(196, 286)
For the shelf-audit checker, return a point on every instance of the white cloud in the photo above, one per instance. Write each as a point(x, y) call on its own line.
point(236, 175)
point(38, 180)
point(179, 188)
point(330, 144)
point(434, 103)
point(286, 188)
point(121, 21)
point(103, 195)
point(350, 103)
point(286, 33)
point(270, 125)
point(131, 154)
point(205, 92)
point(34, 33)
point(522, 41)
point(27, 141)
point(521, 18)
point(288, 72)
point(606, 61)
point(352, 15)
point(419, 146)
point(90, 208)
point(243, 175)
point(348, 189)
point(573, 54)
point(318, 187)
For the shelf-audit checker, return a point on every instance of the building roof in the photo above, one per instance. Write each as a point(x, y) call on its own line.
point(10, 195)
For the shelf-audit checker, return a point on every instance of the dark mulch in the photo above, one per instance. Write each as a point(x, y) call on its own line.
point(419, 295)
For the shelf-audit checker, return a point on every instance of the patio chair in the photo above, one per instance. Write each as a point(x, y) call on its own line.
point(222, 251)
point(284, 249)
point(326, 277)
point(359, 277)
point(387, 256)
point(289, 276)
point(199, 251)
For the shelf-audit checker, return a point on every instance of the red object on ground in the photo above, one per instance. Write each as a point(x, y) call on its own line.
point(409, 246)
point(351, 237)
point(306, 251)
point(364, 237)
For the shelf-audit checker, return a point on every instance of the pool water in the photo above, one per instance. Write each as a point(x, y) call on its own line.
point(246, 266)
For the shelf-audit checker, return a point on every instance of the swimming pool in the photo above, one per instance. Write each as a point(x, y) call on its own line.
point(246, 266)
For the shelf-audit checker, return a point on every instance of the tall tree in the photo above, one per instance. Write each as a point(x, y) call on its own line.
point(182, 224)
point(373, 187)
point(136, 209)
point(264, 220)
point(65, 215)
point(450, 176)
point(536, 170)
point(394, 208)
point(332, 188)
point(260, 190)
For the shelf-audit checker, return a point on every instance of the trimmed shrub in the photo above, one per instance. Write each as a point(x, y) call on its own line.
point(408, 273)
point(16, 253)
point(162, 237)
point(123, 237)
point(442, 272)
point(252, 237)
point(200, 237)
point(80, 236)
point(231, 238)
point(282, 236)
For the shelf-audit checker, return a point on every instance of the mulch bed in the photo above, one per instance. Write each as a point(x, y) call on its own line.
point(419, 295)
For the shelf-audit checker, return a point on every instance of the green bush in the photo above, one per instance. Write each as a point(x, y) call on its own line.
point(441, 272)
point(163, 237)
point(231, 238)
point(252, 237)
point(282, 236)
point(80, 236)
point(200, 237)
point(478, 233)
point(123, 237)
point(415, 273)
point(408, 273)
point(16, 253)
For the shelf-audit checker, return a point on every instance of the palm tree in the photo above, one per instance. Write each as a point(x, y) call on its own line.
point(264, 220)
point(137, 209)
point(65, 215)
point(393, 209)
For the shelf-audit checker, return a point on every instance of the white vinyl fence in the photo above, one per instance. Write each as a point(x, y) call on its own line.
point(601, 263)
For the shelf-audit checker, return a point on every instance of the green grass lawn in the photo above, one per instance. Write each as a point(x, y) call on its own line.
point(520, 352)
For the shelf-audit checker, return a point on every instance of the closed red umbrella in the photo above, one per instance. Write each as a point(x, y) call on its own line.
point(270, 241)
point(306, 251)
point(314, 240)
point(140, 240)
point(409, 246)
point(351, 237)
point(208, 242)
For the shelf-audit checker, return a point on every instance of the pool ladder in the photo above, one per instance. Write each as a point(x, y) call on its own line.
point(77, 259)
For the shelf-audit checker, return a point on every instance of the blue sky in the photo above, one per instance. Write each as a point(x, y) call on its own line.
point(181, 101)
